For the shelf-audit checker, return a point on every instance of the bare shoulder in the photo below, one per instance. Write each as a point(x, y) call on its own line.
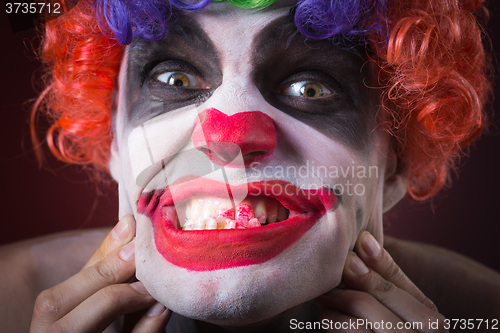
point(34, 265)
point(460, 287)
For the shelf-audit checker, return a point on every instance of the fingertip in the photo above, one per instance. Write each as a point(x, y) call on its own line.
point(131, 221)
point(124, 229)
point(368, 246)
point(121, 230)
point(156, 310)
point(155, 319)
point(139, 287)
point(354, 266)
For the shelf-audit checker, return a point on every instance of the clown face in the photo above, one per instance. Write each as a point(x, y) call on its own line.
point(251, 159)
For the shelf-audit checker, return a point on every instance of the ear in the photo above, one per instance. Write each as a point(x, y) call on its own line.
point(394, 184)
point(114, 162)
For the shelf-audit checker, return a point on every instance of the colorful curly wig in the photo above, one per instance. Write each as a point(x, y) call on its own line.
point(432, 72)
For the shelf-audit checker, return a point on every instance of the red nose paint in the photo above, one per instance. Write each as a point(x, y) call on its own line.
point(222, 137)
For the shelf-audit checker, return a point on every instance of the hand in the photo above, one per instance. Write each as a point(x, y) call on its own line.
point(377, 291)
point(92, 299)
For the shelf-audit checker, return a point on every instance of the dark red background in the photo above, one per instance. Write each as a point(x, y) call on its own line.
point(59, 197)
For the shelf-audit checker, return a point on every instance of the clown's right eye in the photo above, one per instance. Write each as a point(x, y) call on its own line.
point(181, 80)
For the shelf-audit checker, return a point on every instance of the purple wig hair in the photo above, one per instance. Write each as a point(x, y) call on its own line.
point(317, 19)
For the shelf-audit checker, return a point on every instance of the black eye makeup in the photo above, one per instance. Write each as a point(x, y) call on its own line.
point(316, 82)
point(176, 81)
point(180, 70)
point(308, 90)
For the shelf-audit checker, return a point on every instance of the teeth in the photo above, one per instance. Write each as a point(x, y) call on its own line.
point(199, 224)
point(215, 213)
point(211, 223)
point(209, 210)
point(242, 225)
point(193, 209)
point(253, 223)
point(260, 211)
point(226, 213)
point(188, 226)
point(230, 224)
point(244, 212)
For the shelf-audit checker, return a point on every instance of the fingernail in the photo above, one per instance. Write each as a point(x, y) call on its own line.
point(121, 230)
point(156, 310)
point(139, 287)
point(370, 245)
point(127, 253)
point(357, 266)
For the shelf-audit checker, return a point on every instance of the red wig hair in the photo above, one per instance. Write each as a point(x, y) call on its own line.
point(432, 69)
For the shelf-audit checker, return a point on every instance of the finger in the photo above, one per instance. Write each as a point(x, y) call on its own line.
point(121, 234)
point(154, 321)
point(105, 306)
point(56, 302)
point(378, 259)
point(367, 312)
point(358, 276)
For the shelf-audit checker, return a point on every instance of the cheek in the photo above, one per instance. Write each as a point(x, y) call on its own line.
point(159, 138)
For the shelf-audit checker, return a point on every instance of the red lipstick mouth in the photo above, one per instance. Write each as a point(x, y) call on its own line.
point(239, 235)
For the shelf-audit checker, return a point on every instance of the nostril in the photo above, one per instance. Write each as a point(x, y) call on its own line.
point(255, 155)
point(225, 151)
point(204, 150)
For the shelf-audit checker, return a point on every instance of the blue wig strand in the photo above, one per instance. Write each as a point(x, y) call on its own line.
point(147, 19)
point(117, 18)
point(150, 19)
point(190, 6)
point(320, 19)
point(316, 19)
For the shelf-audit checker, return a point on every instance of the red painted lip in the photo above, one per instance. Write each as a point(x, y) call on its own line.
point(204, 250)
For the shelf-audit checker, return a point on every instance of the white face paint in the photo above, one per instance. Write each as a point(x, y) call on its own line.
point(253, 73)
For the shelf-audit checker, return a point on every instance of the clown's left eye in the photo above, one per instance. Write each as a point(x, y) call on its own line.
point(307, 89)
point(181, 80)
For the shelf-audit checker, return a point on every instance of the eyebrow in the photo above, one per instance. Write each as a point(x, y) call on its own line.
point(283, 30)
point(197, 40)
point(280, 50)
point(185, 40)
point(283, 27)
